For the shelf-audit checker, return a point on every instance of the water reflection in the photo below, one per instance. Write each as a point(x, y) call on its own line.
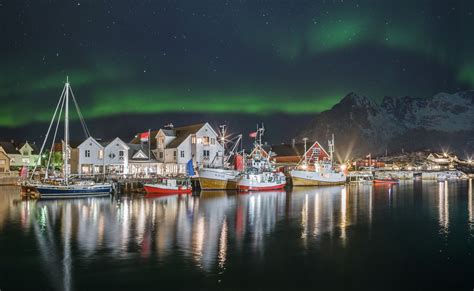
point(443, 207)
point(207, 231)
point(470, 207)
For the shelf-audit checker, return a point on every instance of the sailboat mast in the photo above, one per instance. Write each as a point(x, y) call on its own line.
point(66, 134)
point(305, 150)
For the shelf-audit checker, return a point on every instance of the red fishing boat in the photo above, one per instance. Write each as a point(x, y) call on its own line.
point(169, 186)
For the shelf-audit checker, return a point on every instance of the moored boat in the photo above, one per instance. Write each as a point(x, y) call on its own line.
point(222, 175)
point(218, 179)
point(260, 174)
point(64, 187)
point(316, 169)
point(169, 186)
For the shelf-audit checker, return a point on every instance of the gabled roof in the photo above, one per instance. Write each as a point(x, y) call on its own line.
point(9, 147)
point(117, 140)
point(91, 139)
point(137, 148)
point(183, 132)
point(35, 150)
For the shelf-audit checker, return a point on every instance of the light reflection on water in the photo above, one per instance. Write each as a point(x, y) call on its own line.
point(205, 230)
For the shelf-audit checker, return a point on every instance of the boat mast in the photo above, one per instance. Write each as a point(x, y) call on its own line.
point(66, 134)
point(223, 143)
point(331, 149)
point(305, 161)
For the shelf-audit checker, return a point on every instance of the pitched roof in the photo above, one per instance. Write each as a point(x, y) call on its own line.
point(9, 147)
point(183, 132)
point(35, 150)
point(135, 148)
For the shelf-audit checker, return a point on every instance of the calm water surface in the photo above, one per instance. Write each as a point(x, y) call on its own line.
point(412, 236)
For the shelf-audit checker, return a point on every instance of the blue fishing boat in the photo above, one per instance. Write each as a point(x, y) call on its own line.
point(64, 187)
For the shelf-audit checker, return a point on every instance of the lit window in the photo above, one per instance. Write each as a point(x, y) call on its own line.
point(101, 154)
point(193, 139)
point(205, 140)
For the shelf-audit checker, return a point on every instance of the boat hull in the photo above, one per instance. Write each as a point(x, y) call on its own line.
point(215, 184)
point(304, 178)
point(217, 179)
point(48, 192)
point(159, 189)
point(246, 185)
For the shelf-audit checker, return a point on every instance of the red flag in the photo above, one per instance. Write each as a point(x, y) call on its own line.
point(144, 136)
point(239, 162)
point(253, 134)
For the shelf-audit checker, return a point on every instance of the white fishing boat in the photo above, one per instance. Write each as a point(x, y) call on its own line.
point(311, 171)
point(64, 187)
point(223, 176)
point(260, 174)
point(360, 177)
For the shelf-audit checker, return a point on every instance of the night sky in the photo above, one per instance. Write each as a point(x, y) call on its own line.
point(261, 58)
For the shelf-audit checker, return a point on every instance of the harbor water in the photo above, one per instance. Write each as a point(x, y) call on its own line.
point(418, 235)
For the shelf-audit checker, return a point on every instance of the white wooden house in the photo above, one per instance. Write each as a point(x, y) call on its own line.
point(91, 157)
point(116, 157)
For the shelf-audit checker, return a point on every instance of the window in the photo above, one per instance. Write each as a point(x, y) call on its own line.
point(3, 162)
point(205, 140)
point(87, 153)
point(25, 161)
point(213, 140)
point(174, 154)
point(205, 154)
point(121, 153)
point(193, 139)
point(182, 154)
point(161, 155)
point(101, 154)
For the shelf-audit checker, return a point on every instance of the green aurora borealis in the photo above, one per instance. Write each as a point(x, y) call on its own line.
point(258, 57)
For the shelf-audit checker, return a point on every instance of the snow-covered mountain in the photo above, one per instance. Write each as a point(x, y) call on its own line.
point(361, 125)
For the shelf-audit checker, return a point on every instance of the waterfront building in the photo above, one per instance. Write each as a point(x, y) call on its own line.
point(441, 161)
point(91, 157)
point(20, 154)
point(284, 155)
point(4, 160)
point(57, 157)
point(116, 157)
point(173, 147)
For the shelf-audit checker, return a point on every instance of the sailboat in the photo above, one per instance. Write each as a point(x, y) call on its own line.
point(64, 187)
point(260, 174)
point(320, 173)
point(223, 176)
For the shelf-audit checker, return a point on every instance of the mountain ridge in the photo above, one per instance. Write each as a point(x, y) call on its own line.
point(362, 125)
